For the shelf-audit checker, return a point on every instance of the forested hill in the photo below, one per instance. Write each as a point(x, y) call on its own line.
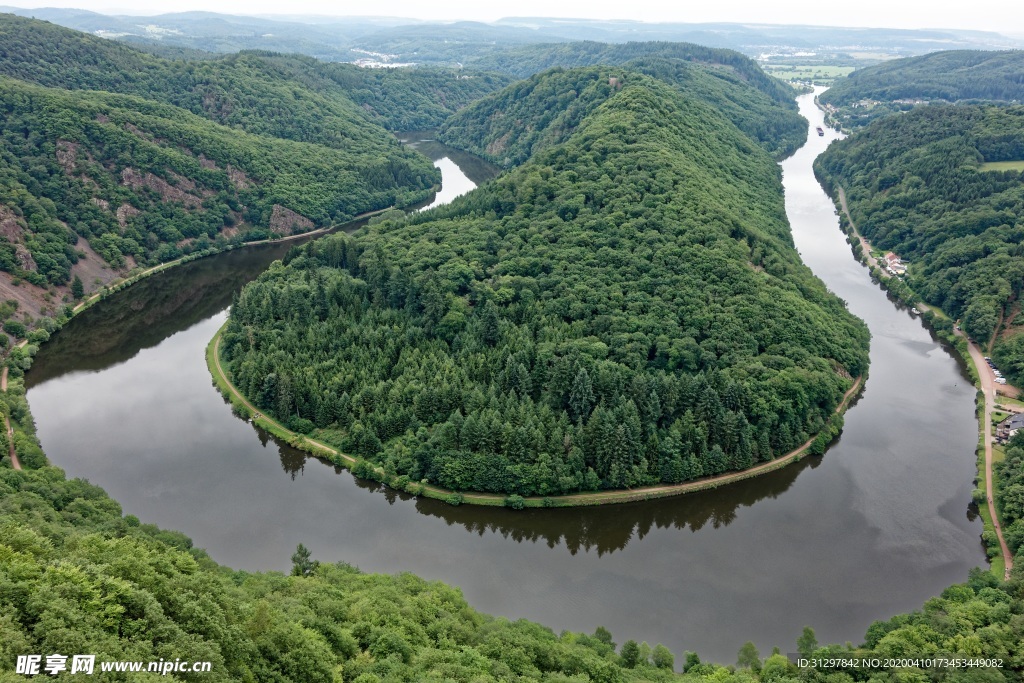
point(138, 178)
point(399, 99)
point(528, 60)
point(287, 96)
point(190, 153)
point(939, 186)
point(511, 125)
point(951, 76)
point(624, 308)
point(762, 106)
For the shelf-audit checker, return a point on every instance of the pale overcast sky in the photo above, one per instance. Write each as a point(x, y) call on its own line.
point(1004, 16)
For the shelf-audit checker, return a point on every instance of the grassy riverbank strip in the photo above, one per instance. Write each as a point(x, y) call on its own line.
point(995, 547)
point(19, 358)
point(367, 470)
point(133, 277)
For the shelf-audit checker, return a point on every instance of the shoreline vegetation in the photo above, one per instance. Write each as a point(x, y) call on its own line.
point(1000, 558)
point(140, 274)
point(365, 469)
point(20, 355)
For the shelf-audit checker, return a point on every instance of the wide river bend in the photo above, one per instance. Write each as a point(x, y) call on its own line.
point(881, 522)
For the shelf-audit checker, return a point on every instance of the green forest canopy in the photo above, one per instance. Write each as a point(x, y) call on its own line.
point(761, 106)
point(288, 96)
point(915, 186)
point(625, 308)
point(949, 76)
point(192, 153)
point(79, 576)
point(139, 179)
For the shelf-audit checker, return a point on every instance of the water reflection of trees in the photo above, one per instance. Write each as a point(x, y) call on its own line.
point(600, 529)
point(476, 169)
point(143, 315)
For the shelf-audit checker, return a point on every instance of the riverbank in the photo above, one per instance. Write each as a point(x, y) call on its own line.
point(1000, 557)
point(7, 424)
point(367, 470)
point(132, 278)
point(23, 352)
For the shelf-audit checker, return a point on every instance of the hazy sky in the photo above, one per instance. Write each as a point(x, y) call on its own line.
point(1004, 16)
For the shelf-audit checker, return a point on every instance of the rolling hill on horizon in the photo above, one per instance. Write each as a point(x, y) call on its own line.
point(349, 38)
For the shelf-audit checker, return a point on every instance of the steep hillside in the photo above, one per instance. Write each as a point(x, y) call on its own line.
point(950, 76)
point(511, 125)
point(143, 182)
point(319, 151)
point(929, 186)
point(624, 308)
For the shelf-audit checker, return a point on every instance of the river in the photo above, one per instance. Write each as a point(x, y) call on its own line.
point(122, 397)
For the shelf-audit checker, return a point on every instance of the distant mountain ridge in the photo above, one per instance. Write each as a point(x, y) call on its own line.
point(952, 75)
point(333, 38)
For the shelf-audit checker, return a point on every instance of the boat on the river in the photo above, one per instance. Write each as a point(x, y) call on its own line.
point(821, 131)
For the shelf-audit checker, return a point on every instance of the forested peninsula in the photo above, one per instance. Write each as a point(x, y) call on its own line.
point(942, 187)
point(77, 575)
point(625, 308)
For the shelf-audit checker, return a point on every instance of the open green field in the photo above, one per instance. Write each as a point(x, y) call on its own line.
point(1010, 403)
point(999, 165)
point(817, 73)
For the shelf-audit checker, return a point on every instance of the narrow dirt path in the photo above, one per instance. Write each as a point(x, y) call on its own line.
point(988, 388)
point(864, 244)
point(596, 498)
point(995, 333)
point(7, 423)
point(10, 444)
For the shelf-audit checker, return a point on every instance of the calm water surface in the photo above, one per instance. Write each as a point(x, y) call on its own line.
point(123, 398)
point(461, 171)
